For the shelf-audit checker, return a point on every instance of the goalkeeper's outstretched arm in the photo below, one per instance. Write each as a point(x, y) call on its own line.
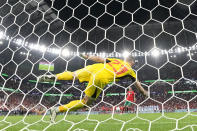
point(93, 58)
point(140, 88)
point(67, 75)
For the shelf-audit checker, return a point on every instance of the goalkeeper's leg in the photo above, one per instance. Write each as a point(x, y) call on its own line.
point(91, 93)
point(73, 105)
point(76, 104)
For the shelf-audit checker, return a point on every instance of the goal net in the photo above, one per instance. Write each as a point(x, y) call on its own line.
point(45, 37)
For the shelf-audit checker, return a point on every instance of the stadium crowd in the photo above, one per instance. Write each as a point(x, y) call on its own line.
point(29, 97)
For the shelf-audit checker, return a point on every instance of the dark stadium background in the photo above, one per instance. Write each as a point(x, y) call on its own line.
point(62, 27)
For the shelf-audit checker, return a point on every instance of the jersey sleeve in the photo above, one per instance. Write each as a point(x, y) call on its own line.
point(132, 73)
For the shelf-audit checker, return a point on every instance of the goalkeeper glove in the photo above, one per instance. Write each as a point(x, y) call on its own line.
point(46, 78)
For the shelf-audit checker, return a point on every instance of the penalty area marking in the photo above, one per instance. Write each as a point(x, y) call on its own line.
point(143, 123)
point(35, 130)
point(79, 129)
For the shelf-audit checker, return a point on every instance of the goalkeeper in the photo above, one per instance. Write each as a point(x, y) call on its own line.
point(98, 76)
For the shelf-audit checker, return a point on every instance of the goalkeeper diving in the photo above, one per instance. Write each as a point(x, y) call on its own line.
point(98, 76)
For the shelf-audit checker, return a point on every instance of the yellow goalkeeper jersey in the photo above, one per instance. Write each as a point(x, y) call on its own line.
point(113, 68)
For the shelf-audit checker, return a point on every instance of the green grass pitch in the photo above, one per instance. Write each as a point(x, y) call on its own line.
point(102, 122)
point(46, 67)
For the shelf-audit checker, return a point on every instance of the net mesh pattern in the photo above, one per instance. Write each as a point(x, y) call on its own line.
point(39, 37)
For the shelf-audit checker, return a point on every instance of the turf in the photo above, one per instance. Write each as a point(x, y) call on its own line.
point(102, 122)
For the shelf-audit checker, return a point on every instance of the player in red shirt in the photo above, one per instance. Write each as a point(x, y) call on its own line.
point(130, 99)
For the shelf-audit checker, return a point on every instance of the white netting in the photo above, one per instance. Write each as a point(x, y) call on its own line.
point(40, 37)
